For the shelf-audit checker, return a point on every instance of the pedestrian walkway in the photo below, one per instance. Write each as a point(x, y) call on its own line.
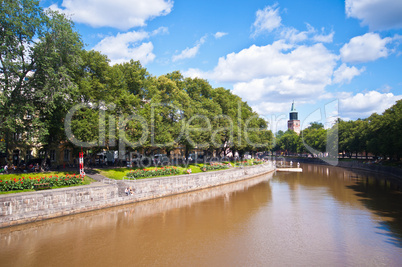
point(96, 176)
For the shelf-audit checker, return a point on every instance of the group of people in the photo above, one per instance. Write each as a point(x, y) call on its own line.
point(22, 168)
point(129, 191)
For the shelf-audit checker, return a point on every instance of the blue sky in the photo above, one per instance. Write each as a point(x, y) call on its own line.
point(343, 54)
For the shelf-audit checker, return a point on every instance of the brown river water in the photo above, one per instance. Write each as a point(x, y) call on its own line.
point(325, 216)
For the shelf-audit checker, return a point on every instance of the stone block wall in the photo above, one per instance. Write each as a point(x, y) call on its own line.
point(35, 206)
point(164, 186)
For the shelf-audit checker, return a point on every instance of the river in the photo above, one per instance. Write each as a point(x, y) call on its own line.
point(325, 216)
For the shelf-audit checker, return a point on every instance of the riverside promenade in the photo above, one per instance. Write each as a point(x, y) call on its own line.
point(29, 207)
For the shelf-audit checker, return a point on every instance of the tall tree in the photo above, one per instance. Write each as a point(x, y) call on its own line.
point(21, 21)
point(57, 58)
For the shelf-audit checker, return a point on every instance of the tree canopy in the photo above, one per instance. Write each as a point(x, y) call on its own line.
point(378, 135)
point(55, 92)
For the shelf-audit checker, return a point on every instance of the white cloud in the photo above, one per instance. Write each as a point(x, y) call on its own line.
point(345, 74)
point(220, 34)
point(322, 38)
point(189, 52)
point(362, 105)
point(125, 46)
point(368, 47)
point(276, 73)
point(121, 14)
point(293, 35)
point(377, 14)
point(267, 20)
point(300, 64)
point(160, 30)
point(194, 73)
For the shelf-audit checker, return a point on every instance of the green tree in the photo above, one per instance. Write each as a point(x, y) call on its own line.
point(21, 22)
point(57, 58)
point(289, 142)
point(315, 136)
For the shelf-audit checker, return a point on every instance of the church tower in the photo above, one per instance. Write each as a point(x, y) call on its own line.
point(293, 122)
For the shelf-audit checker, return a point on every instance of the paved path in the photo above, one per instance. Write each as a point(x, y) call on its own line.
point(100, 179)
point(96, 176)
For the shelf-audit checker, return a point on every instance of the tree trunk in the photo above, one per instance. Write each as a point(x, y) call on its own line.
point(186, 152)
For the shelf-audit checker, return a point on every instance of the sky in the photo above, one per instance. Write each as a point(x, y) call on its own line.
point(332, 58)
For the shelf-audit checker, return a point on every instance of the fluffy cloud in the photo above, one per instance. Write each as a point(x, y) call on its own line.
point(363, 105)
point(125, 46)
point(280, 61)
point(293, 35)
point(322, 38)
point(377, 14)
point(267, 107)
point(368, 47)
point(267, 20)
point(122, 14)
point(276, 73)
point(189, 52)
point(345, 74)
point(220, 34)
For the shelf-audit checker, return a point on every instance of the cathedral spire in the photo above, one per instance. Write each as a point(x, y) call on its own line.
point(293, 122)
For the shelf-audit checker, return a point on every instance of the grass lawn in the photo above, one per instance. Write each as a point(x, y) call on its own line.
point(119, 173)
point(5, 177)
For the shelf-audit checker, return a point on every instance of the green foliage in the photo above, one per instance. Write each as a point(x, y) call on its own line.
point(315, 136)
point(289, 142)
point(21, 22)
point(379, 135)
point(46, 72)
point(152, 172)
point(213, 166)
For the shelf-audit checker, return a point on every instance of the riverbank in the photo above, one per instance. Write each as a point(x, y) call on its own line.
point(35, 206)
point(353, 164)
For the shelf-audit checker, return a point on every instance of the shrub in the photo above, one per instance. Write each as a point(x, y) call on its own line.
point(258, 161)
point(143, 173)
point(215, 166)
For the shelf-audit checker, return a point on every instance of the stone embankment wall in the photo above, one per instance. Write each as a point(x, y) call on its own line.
point(396, 172)
point(35, 206)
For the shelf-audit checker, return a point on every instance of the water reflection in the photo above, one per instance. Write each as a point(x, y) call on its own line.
point(379, 193)
point(137, 232)
point(384, 198)
point(323, 216)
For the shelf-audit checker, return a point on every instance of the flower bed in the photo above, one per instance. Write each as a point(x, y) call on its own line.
point(258, 161)
point(215, 166)
point(144, 173)
point(30, 182)
point(244, 163)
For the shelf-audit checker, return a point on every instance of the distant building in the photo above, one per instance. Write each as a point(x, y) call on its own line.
point(293, 122)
